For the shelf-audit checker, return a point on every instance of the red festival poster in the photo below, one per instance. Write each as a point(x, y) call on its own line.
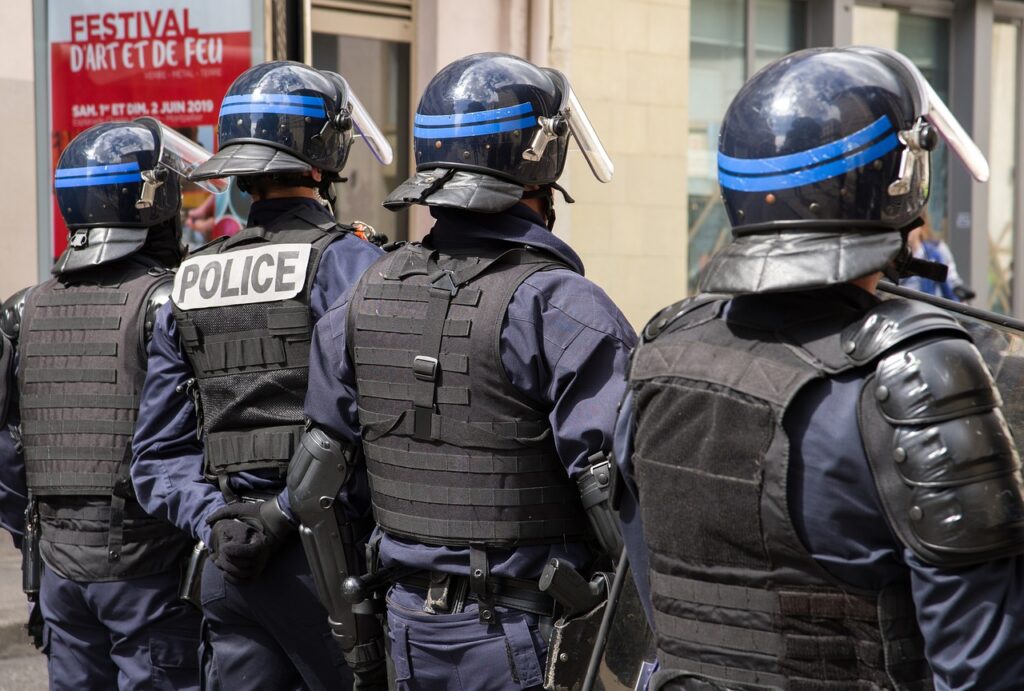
point(124, 59)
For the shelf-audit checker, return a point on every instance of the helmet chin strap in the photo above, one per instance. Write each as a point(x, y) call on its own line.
point(547, 199)
point(905, 264)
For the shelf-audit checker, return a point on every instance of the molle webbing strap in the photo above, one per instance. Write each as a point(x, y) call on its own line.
point(39, 349)
point(499, 435)
point(229, 452)
point(453, 532)
point(69, 482)
point(76, 324)
point(75, 298)
point(54, 375)
point(105, 401)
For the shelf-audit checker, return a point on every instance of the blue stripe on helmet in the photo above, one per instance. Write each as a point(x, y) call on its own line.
point(97, 180)
point(473, 130)
point(478, 116)
point(274, 98)
point(249, 108)
point(809, 175)
point(810, 157)
point(86, 171)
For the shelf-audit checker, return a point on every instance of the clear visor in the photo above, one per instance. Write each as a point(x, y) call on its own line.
point(584, 133)
point(368, 130)
point(182, 155)
point(940, 117)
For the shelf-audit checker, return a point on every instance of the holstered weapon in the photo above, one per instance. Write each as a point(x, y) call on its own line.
point(192, 576)
point(575, 633)
point(31, 561)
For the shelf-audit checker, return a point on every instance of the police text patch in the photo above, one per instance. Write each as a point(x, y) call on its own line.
point(264, 274)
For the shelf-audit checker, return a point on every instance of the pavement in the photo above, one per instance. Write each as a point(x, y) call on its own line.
point(22, 667)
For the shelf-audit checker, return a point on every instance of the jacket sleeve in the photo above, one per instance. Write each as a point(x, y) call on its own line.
point(167, 454)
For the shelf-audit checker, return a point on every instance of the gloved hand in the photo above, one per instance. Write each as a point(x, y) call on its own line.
point(245, 535)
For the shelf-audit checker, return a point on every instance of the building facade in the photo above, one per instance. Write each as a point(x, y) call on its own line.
point(655, 77)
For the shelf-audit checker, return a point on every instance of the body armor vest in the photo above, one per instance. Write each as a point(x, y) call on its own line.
point(455, 454)
point(251, 358)
point(737, 598)
point(82, 366)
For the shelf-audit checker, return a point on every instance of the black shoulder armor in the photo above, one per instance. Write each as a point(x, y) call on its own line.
point(158, 297)
point(11, 313)
point(893, 322)
point(677, 310)
point(944, 462)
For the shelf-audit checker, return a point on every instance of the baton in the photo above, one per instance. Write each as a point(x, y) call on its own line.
point(606, 621)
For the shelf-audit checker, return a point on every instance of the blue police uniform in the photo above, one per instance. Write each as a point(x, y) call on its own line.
point(966, 615)
point(561, 339)
point(271, 631)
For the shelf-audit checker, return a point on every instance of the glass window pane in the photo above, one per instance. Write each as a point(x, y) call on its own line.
point(717, 71)
point(781, 25)
point(1003, 185)
point(378, 71)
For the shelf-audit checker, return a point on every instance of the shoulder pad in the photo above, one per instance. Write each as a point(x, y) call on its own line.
point(159, 294)
point(12, 312)
point(677, 310)
point(890, 323)
point(952, 490)
point(933, 381)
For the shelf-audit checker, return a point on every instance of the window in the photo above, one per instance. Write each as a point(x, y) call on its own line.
point(729, 41)
point(1003, 154)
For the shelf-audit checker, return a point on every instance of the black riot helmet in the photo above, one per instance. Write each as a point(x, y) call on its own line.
point(824, 165)
point(285, 117)
point(118, 183)
point(489, 125)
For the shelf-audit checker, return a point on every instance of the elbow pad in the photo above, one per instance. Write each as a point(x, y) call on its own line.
point(316, 473)
point(595, 494)
point(944, 461)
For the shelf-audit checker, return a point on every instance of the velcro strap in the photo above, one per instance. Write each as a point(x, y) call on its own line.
point(473, 496)
point(510, 434)
point(483, 463)
point(122, 427)
point(451, 395)
point(74, 323)
point(47, 374)
point(469, 297)
point(106, 401)
point(41, 349)
point(188, 330)
point(228, 452)
point(82, 298)
point(398, 357)
point(446, 531)
point(456, 328)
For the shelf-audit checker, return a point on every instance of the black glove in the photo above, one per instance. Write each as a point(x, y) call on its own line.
point(244, 535)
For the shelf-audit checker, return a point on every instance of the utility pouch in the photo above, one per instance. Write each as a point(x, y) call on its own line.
point(31, 561)
point(192, 575)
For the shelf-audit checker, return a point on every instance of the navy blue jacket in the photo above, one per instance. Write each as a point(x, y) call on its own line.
point(564, 344)
point(970, 617)
point(168, 457)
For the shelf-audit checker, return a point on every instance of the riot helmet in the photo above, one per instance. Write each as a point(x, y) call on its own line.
point(488, 126)
point(824, 166)
point(118, 187)
point(285, 118)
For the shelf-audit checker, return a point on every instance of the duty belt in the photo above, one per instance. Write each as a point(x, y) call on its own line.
point(448, 593)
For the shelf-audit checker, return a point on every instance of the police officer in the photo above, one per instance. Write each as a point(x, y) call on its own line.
point(109, 589)
point(222, 405)
point(484, 364)
point(829, 495)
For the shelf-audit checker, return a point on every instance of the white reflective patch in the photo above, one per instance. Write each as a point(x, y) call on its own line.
point(264, 274)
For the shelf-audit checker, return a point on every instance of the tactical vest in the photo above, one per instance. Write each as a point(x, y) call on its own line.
point(737, 598)
point(81, 371)
point(248, 346)
point(455, 454)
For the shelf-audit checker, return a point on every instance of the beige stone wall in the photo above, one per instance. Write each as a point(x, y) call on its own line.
point(627, 60)
point(18, 252)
